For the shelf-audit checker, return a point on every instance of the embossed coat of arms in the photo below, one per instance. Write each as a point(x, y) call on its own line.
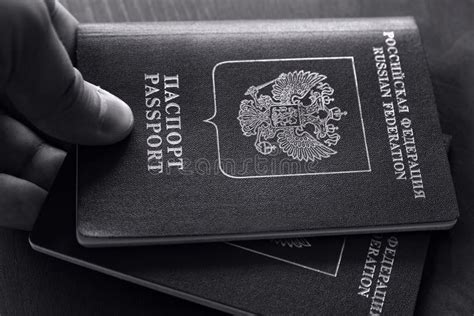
point(296, 118)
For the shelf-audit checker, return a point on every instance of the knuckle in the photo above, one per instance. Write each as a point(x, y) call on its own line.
point(69, 101)
point(23, 23)
point(24, 17)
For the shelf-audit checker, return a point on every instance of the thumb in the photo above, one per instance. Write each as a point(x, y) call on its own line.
point(43, 85)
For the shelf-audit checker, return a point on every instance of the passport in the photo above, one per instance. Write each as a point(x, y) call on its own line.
point(337, 275)
point(263, 129)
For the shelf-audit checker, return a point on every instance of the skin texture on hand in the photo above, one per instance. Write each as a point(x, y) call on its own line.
point(40, 88)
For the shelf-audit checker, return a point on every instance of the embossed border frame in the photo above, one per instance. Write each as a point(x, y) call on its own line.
point(209, 120)
point(328, 273)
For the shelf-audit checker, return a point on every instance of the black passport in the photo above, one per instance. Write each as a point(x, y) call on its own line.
point(263, 129)
point(369, 274)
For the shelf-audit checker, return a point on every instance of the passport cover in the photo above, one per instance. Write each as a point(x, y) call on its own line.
point(263, 129)
point(302, 276)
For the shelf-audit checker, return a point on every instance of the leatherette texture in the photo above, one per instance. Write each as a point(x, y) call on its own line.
point(237, 183)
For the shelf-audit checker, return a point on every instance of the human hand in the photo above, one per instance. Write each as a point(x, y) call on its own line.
point(41, 92)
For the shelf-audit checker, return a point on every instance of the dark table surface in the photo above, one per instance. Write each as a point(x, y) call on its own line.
point(32, 283)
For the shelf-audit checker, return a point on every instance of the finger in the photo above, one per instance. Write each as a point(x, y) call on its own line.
point(65, 25)
point(26, 156)
point(20, 202)
point(43, 85)
point(7, 107)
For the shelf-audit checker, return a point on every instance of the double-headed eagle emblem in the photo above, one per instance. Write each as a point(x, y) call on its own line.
point(297, 115)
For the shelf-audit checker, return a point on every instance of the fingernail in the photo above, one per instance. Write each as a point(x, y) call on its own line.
point(117, 117)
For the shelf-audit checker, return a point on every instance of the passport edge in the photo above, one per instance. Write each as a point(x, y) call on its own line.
point(88, 241)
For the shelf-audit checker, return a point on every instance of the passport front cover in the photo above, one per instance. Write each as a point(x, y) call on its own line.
point(369, 274)
point(258, 129)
